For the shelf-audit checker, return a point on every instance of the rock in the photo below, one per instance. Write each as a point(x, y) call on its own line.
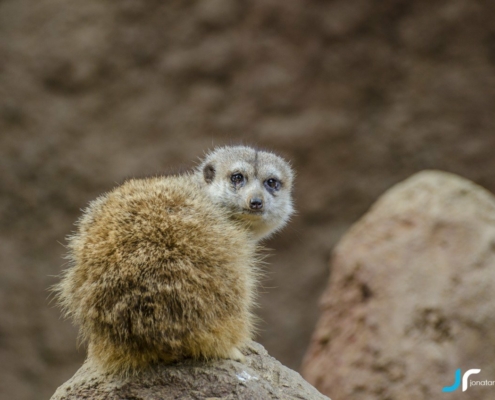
point(410, 299)
point(261, 377)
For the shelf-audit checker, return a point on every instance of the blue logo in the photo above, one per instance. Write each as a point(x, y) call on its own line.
point(457, 382)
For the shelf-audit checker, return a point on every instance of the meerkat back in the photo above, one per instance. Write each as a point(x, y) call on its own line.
point(159, 273)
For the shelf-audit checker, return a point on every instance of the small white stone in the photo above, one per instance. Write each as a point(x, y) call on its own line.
point(245, 377)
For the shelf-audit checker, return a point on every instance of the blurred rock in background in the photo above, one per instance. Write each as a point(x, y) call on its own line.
point(410, 299)
point(358, 94)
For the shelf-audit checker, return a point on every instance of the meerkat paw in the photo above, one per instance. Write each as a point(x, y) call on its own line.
point(236, 355)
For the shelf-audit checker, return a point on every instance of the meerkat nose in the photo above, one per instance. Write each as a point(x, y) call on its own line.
point(256, 204)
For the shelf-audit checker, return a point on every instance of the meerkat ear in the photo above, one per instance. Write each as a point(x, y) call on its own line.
point(209, 173)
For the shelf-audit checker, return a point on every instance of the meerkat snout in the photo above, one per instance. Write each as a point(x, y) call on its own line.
point(255, 203)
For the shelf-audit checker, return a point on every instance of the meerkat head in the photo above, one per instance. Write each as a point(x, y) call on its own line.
point(255, 186)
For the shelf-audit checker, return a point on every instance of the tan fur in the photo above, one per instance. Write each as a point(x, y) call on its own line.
point(159, 272)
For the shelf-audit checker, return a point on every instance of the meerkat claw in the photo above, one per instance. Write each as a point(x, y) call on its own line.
point(236, 355)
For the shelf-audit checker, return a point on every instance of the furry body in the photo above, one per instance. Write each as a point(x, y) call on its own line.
point(160, 272)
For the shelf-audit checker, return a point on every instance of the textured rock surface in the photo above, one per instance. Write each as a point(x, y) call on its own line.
point(260, 378)
point(411, 296)
point(357, 94)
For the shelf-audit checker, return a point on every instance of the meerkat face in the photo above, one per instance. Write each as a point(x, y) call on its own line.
point(254, 185)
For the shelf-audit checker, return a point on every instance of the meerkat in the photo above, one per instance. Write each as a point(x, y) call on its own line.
point(165, 268)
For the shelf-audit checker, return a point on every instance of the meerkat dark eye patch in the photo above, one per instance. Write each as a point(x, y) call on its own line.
point(237, 178)
point(272, 184)
point(209, 173)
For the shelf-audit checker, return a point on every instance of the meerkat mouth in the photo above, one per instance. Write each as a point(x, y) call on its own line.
point(252, 212)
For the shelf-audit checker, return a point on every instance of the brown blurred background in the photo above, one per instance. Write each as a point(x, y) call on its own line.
point(358, 94)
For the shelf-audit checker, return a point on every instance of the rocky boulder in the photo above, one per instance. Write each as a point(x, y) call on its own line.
point(411, 296)
point(260, 378)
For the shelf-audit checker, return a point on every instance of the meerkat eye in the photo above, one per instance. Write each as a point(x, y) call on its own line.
point(237, 178)
point(272, 184)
